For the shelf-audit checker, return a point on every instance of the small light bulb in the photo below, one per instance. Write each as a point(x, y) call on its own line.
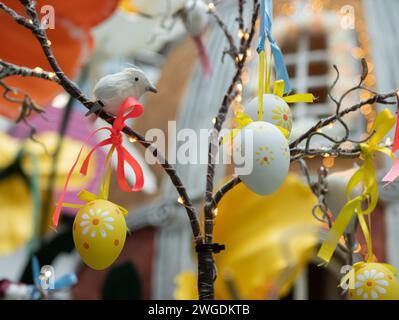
point(38, 69)
point(215, 212)
point(48, 42)
point(132, 139)
point(211, 6)
point(328, 162)
point(214, 120)
point(180, 200)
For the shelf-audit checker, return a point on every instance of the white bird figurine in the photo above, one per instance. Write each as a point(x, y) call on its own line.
point(111, 90)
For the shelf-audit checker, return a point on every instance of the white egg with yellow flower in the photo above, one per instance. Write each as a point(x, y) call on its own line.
point(261, 157)
point(99, 233)
point(374, 281)
point(275, 111)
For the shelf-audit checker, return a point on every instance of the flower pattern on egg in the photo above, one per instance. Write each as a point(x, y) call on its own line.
point(282, 116)
point(371, 284)
point(98, 222)
point(264, 156)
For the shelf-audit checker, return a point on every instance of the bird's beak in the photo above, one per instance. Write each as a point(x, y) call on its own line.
point(152, 88)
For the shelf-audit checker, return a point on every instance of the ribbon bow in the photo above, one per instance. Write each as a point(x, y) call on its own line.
point(266, 31)
point(278, 90)
point(115, 140)
point(242, 119)
point(366, 176)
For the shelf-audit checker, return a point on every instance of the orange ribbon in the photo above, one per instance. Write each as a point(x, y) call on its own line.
point(115, 140)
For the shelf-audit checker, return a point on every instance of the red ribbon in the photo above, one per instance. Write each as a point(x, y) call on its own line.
point(395, 145)
point(393, 173)
point(115, 140)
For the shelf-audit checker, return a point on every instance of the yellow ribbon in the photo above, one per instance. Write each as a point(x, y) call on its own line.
point(87, 196)
point(261, 79)
point(278, 90)
point(366, 176)
point(278, 86)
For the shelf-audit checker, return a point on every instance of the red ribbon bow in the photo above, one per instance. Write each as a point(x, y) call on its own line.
point(115, 140)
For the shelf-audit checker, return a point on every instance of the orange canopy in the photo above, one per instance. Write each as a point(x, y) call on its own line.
point(70, 40)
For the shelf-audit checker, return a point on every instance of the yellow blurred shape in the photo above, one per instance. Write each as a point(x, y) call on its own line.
point(67, 156)
point(128, 6)
point(15, 214)
point(9, 148)
point(186, 286)
point(268, 238)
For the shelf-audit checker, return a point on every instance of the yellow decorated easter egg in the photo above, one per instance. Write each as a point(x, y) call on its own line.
point(99, 233)
point(374, 281)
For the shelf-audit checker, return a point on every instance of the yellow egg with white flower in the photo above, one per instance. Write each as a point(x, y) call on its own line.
point(99, 233)
point(275, 111)
point(261, 157)
point(374, 281)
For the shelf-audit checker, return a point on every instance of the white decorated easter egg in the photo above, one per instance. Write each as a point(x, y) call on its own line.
point(99, 233)
point(261, 157)
point(275, 111)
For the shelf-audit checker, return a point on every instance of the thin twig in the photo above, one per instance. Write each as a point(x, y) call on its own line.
point(225, 188)
point(232, 49)
point(382, 99)
point(8, 69)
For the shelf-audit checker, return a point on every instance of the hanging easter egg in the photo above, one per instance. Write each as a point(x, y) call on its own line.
point(197, 17)
point(374, 281)
point(99, 233)
point(275, 111)
point(261, 157)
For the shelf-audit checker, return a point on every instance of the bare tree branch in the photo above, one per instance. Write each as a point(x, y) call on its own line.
point(70, 87)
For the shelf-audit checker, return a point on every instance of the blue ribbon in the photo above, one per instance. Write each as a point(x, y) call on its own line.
point(266, 17)
point(64, 282)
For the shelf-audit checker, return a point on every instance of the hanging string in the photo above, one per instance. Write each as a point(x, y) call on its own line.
point(261, 84)
point(266, 17)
